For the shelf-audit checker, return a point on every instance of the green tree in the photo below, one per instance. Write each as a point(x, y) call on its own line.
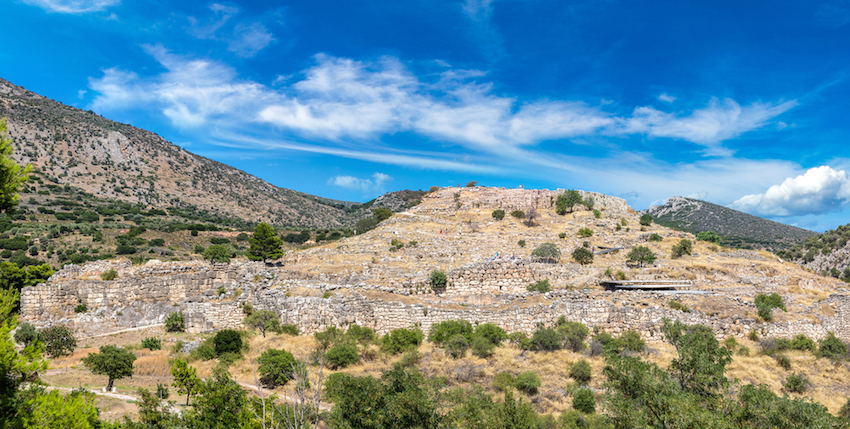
point(217, 253)
point(456, 346)
point(26, 334)
point(548, 252)
point(276, 367)
point(709, 236)
point(185, 378)
point(15, 368)
point(641, 255)
point(174, 322)
point(76, 410)
point(227, 341)
point(566, 201)
point(765, 303)
point(701, 364)
point(584, 401)
point(264, 320)
point(498, 214)
point(265, 244)
point(113, 362)
point(583, 256)
point(646, 219)
point(220, 404)
point(684, 247)
point(12, 176)
point(382, 214)
point(438, 279)
point(58, 341)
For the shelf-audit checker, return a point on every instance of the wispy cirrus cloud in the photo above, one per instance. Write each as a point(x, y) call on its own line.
point(245, 38)
point(73, 6)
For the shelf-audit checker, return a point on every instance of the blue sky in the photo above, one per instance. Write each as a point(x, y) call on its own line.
point(735, 103)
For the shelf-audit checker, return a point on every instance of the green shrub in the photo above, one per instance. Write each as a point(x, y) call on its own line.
point(410, 358)
point(585, 232)
point(684, 247)
point(498, 214)
point(580, 371)
point(546, 339)
point(109, 275)
point(482, 348)
point(58, 341)
point(796, 383)
point(152, 343)
point(753, 335)
point(518, 214)
point(521, 243)
point(174, 322)
point(328, 337)
point(630, 340)
point(583, 256)
point(276, 366)
point(360, 334)
point(205, 351)
point(541, 286)
point(490, 332)
point(803, 343)
point(844, 412)
point(584, 401)
point(730, 343)
point(783, 361)
point(82, 308)
point(597, 214)
point(655, 237)
point(342, 355)
point(400, 340)
point(709, 236)
point(242, 237)
point(199, 249)
point(227, 341)
point(645, 220)
point(26, 334)
point(572, 334)
point(528, 382)
point(641, 255)
point(504, 381)
point(766, 303)
point(562, 235)
point(441, 332)
point(676, 305)
point(831, 347)
point(438, 279)
point(456, 346)
point(743, 351)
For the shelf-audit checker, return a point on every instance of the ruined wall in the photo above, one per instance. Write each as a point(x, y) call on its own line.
point(495, 277)
point(445, 200)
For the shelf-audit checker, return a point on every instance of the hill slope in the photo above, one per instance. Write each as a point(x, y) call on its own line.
point(828, 253)
point(738, 229)
point(118, 161)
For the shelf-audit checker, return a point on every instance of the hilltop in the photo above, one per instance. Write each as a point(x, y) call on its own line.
point(737, 229)
point(120, 162)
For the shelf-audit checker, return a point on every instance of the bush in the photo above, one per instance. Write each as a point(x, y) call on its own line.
point(645, 220)
point(82, 308)
point(441, 332)
point(217, 253)
point(831, 347)
point(360, 334)
point(199, 249)
point(152, 343)
point(109, 275)
point(783, 361)
point(641, 255)
point(456, 346)
point(276, 366)
point(227, 341)
point(174, 322)
point(583, 256)
point(26, 334)
point(844, 412)
point(410, 358)
point(242, 237)
point(597, 214)
point(655, 237)
point(709, 236)
point(438, 279)
point(519, 214)
point(803, 343)
point(796, 383)
point(521, 243)
point(545, 339)
point(490, 332)
point(580, 371)
point(766, 303)
point(400, 340)
point(342, 355)
point(541, 286)
point(205, 351)
point(753, 335)
point(584, 401)
point(685, 247)
point(58, 341)
point(498, 214)
point(585, 232)
point(528, 382)
point(482, 348)
point(548, 252)
point(573, 334)
point(289, 329)
point(676, 305)
point(630, 340)
point(504, 381)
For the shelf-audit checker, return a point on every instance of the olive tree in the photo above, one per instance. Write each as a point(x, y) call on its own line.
point(547, 251)
point(113, 362)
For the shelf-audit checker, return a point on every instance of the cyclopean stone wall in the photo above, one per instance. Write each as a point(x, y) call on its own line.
point(502, 276)
point(450, 200)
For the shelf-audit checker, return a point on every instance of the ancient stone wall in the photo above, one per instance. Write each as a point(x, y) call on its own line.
point(495, 277)
point(450, 200)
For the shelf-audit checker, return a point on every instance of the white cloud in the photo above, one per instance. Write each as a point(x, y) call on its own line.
point(375, 184)
point(820, 190)
point(73, 6)
point(719, 121)
point(246, 38)
point(666, 98)
point(81, 93)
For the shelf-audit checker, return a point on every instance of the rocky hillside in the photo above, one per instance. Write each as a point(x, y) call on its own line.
point(738, 229)
point(120, 162)
point(828, 253)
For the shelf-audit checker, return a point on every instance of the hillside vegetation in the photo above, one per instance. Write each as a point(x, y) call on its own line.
point(737, 229)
